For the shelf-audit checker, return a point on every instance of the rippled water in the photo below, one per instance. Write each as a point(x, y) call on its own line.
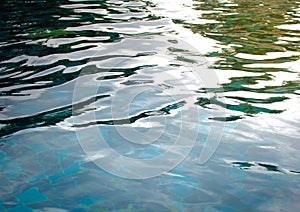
point(228, 68)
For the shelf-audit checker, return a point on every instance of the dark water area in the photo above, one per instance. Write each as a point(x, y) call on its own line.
point(219, 79)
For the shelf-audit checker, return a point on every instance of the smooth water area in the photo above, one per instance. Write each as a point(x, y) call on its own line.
point(223, 76)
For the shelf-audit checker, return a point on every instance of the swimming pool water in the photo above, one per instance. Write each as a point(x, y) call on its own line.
point(221, 77)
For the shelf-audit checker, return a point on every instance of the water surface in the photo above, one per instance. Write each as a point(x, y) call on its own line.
point(53, 50)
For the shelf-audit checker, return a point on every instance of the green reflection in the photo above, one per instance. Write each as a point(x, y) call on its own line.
point(251, 39)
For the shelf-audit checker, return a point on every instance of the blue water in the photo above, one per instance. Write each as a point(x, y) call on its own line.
point(149, 105)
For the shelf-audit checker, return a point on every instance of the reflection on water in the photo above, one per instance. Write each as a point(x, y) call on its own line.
point(252, 38)
point(253, 48)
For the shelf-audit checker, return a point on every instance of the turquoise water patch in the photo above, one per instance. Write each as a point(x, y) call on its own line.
point(20, 208)
point(88, 201)
point(31, 195)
